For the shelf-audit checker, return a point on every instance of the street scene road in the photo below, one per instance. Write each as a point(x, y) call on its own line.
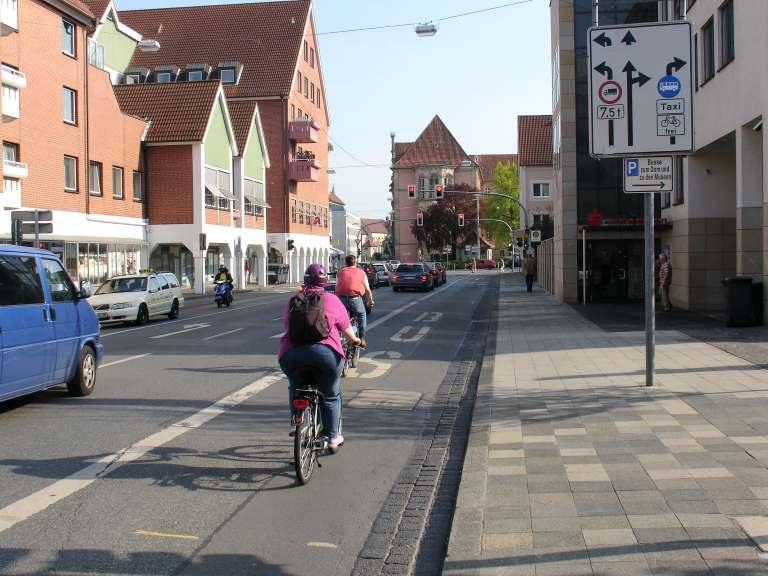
point(181, 463)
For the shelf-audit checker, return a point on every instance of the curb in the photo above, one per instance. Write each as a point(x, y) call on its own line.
point(410, 533)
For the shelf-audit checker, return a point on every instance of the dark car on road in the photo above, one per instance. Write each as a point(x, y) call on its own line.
point(438, 272)
point(417, 276)
point(370, 272)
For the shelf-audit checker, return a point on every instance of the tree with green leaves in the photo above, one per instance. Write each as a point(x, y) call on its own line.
point(506, 181)
point(441, 228)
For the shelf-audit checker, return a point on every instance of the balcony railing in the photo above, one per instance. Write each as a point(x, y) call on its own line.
point(9, 13)
point(12, 77)
point(13, 169)
point(304, 170)
point(303, 131)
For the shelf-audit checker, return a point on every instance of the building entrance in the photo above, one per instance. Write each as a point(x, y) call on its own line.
point(614, 270)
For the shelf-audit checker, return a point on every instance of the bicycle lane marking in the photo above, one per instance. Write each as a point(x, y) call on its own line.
point(38, 501)
point(46, 497)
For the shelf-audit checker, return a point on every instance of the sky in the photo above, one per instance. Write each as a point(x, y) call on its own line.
point(478, 73)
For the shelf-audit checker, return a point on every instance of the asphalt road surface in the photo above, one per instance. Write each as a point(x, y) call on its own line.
point(181, 463)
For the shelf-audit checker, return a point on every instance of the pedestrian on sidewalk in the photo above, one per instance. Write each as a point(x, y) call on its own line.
point(247, 272)
point(529, 270)
point(665, 279)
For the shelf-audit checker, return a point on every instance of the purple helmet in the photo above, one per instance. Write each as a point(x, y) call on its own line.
point(315, 276)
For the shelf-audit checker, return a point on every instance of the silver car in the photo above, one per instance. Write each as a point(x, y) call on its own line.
point(383, 277)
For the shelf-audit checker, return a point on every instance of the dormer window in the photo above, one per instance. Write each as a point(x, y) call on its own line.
point(166, 74)
point(195, 75)
point(133, 79)
point(164, 77)
point(227, 75)
point(198, 72)
point(136, 75)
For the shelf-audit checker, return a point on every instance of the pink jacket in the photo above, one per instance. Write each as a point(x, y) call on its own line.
point(338, 320)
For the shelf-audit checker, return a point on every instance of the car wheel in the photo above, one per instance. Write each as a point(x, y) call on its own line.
point(84, 380)
point(143, 315)
point(174, 313)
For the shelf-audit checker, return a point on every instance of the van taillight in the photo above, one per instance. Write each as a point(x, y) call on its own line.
point(423, 276)
point(300, 404)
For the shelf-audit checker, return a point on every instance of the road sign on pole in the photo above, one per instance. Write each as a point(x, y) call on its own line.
point(641, 85)
point(648, 174)
point(535, 236)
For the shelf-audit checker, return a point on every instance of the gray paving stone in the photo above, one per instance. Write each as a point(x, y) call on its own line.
point(597, 504)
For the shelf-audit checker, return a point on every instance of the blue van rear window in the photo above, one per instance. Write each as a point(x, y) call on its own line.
point(19, 281)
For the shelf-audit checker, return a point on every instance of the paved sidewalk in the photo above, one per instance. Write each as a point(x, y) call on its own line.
point(574, 467)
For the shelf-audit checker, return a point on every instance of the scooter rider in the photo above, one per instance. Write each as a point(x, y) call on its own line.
point(223, 275)
point(351, 287)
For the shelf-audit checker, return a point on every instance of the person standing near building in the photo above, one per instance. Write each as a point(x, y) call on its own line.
point(665, 280)
point(529, 270)
point(247, 272)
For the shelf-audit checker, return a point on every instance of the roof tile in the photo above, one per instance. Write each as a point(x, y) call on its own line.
point(179, 112)
point(242, 113)
point(488, 164)
point(534, 140)
point(264, 37)
point(435, 146)
point(98, 7)
point(335, 199)
point(374, 226)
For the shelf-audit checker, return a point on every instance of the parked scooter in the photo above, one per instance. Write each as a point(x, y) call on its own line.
point(223, 294)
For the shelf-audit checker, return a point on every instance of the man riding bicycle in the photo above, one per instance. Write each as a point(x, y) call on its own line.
point(351, 287)
point(324, 358)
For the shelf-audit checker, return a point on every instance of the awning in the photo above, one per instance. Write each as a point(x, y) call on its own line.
point(218, 192)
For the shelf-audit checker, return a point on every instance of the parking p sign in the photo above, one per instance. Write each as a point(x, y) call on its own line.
point(648, 174)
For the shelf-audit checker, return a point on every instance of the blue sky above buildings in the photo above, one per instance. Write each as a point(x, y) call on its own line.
point(478, 73)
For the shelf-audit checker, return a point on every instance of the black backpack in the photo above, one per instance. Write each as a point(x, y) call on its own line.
point(306, 319)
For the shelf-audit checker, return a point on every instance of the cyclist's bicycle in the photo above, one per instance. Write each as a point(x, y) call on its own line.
point(351, 351)
point(309, 442)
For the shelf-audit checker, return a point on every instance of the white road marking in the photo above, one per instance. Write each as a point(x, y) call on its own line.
point(38, 501)
point(428, 317)
point(185, 319)
point(411, 304)
point(275, 319)
point(276, 336)
point(166, 535)
point(400, 335)
point(223, 334)
point(321, 545)
point(124, 360)
point(187, 328)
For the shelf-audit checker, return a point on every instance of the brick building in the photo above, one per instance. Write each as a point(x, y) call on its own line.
point(434, 158)
point(67, 146)
point(271, 58)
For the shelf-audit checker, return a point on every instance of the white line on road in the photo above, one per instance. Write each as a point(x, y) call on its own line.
point(399, 336)
point(37, 502)
point(321, 545)
point(223, 334)
point(187, 328)
point(276, 318)
point(276, 336)
point(124, 360)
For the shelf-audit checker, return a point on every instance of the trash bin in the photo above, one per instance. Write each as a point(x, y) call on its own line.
point(740, 307)
point(757, 302)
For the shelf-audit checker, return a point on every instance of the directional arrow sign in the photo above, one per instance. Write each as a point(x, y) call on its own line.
point(640, 83)
point(648, 174)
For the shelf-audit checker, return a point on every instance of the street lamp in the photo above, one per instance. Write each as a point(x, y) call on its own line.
point(426, 29)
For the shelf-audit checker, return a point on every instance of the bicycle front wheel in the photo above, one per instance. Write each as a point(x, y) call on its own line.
point(304, 454)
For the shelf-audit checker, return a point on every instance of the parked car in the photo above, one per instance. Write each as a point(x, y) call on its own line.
point(382, 274)
point(50, 334)
point(481, 265)
point(438, 272)
point(277, 273)
point(137, 298)
point(416, 276)
point(370, 272)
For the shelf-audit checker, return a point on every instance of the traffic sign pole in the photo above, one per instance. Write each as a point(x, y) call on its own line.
point(650, 291)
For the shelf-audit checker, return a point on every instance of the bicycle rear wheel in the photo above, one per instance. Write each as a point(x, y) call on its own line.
point(304, 454)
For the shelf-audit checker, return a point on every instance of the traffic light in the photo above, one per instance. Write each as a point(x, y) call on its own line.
point(411, 191)
point(17, 232)
point(419, 219)
point(290, 245)
point(461, 219)
point(439, 191)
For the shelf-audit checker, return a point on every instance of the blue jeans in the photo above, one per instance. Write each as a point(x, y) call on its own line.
point(356, 304)
point(325, 366)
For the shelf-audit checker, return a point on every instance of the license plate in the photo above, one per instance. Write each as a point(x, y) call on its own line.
point(103, 316)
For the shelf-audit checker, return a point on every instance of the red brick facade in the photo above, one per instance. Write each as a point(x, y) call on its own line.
point(169, 170)
point(41, 133)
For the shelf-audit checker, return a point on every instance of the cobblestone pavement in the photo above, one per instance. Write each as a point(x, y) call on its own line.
point(574, 467)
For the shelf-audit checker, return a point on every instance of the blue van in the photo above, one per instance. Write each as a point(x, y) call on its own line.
point(49, 334)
